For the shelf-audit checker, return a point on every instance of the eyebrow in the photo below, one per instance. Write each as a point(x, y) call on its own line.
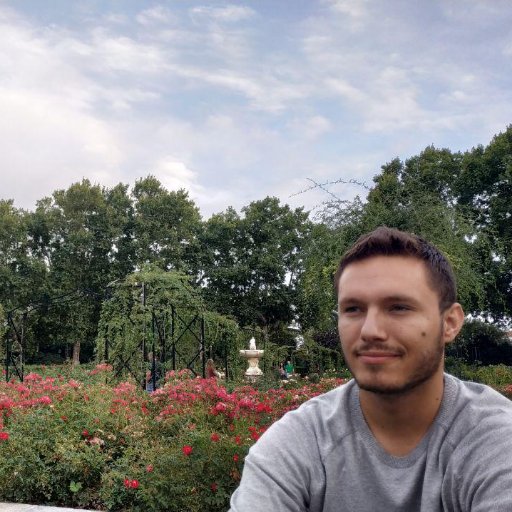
point(388, 298)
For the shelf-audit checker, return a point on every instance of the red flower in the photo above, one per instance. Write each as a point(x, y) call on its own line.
point(4, 436)
point(131, 484)
point(85, 433)
point(213, 487)
point(236, 457)
point(187, 450)
point(238, 440)
point(263, 408)
point(214, 437)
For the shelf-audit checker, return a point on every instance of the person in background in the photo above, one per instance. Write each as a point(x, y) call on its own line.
point(153, 373)
point(289, 368)
point(211, 372)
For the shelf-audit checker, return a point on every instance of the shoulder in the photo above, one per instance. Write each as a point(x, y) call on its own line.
point(480, 434)
point(478, 402)
point(479, 423)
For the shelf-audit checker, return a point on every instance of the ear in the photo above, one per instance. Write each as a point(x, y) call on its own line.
point(453, 318)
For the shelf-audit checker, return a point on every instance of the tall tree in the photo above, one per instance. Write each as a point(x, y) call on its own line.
point(79, 239)
point(166, 226)
point(252, 263)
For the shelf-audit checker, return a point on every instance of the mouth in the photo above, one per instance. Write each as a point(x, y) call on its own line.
point(377, 357)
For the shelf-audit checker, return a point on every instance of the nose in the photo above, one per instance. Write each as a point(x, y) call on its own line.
point(373, 327)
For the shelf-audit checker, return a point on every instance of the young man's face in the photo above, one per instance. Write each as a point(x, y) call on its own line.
point(392, 332)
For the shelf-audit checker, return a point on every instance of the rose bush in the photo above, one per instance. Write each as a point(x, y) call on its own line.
point(87, 444)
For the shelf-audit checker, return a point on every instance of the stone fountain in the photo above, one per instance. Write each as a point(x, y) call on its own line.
point(253, 356)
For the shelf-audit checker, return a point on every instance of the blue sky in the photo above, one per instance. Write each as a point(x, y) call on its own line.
point(235, 101)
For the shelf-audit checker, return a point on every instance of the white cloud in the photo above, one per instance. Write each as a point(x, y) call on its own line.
point(355, 9)
point(155, 15)
point(122, 53)
point(311, 127)
point(45, 146)
point(230, 13)
point(174, 174)
point(345, 90)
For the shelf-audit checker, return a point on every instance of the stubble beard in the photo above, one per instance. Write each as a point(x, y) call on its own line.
point(426, 367)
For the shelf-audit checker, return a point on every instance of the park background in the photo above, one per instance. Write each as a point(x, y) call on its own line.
point(128, 129)
point(96, 277)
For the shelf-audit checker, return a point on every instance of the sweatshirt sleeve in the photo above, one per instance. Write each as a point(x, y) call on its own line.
point(283, 471)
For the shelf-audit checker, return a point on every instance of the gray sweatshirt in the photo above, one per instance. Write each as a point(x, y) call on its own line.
point(324, 458)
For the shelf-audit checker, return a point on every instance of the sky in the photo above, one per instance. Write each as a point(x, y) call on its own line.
point(236, 101)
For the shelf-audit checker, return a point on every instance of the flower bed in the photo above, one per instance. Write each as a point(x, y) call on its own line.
point(63, 442)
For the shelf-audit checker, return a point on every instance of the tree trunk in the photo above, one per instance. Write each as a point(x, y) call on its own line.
point(76, 353)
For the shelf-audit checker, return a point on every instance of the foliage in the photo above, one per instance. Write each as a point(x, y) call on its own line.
point(165, 226)
point(481, 343)
point(149, 310)
point(251, 264)
point(498, 376)
point(118, 448)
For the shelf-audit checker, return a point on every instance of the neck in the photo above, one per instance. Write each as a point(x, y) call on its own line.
point(400, 421)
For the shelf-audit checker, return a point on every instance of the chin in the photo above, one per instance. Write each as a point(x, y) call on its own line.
point(391, 387)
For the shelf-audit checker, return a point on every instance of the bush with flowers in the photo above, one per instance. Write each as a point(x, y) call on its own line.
point(115, 447)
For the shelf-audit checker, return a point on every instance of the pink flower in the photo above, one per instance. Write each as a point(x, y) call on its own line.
point(220, 407)
point(149, 468)
point(187, 450)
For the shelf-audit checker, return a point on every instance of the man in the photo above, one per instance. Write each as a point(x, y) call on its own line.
point(402, 435)
point(289, 369)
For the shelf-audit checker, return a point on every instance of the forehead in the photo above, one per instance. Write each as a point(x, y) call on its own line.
point(391, 275)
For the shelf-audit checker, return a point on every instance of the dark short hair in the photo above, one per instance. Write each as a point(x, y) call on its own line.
point(385, 241)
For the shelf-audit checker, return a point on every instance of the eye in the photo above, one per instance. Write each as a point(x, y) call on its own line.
point(347, 310)
point(400, 307)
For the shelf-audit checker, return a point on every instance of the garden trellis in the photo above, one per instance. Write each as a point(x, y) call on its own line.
point(159, 313)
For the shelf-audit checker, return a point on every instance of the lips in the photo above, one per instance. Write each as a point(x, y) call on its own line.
point(377, 356)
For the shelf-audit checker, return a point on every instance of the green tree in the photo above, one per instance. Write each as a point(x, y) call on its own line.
point(77, 234)
point(484, 189)
point(166, 226)
point(252, 263)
